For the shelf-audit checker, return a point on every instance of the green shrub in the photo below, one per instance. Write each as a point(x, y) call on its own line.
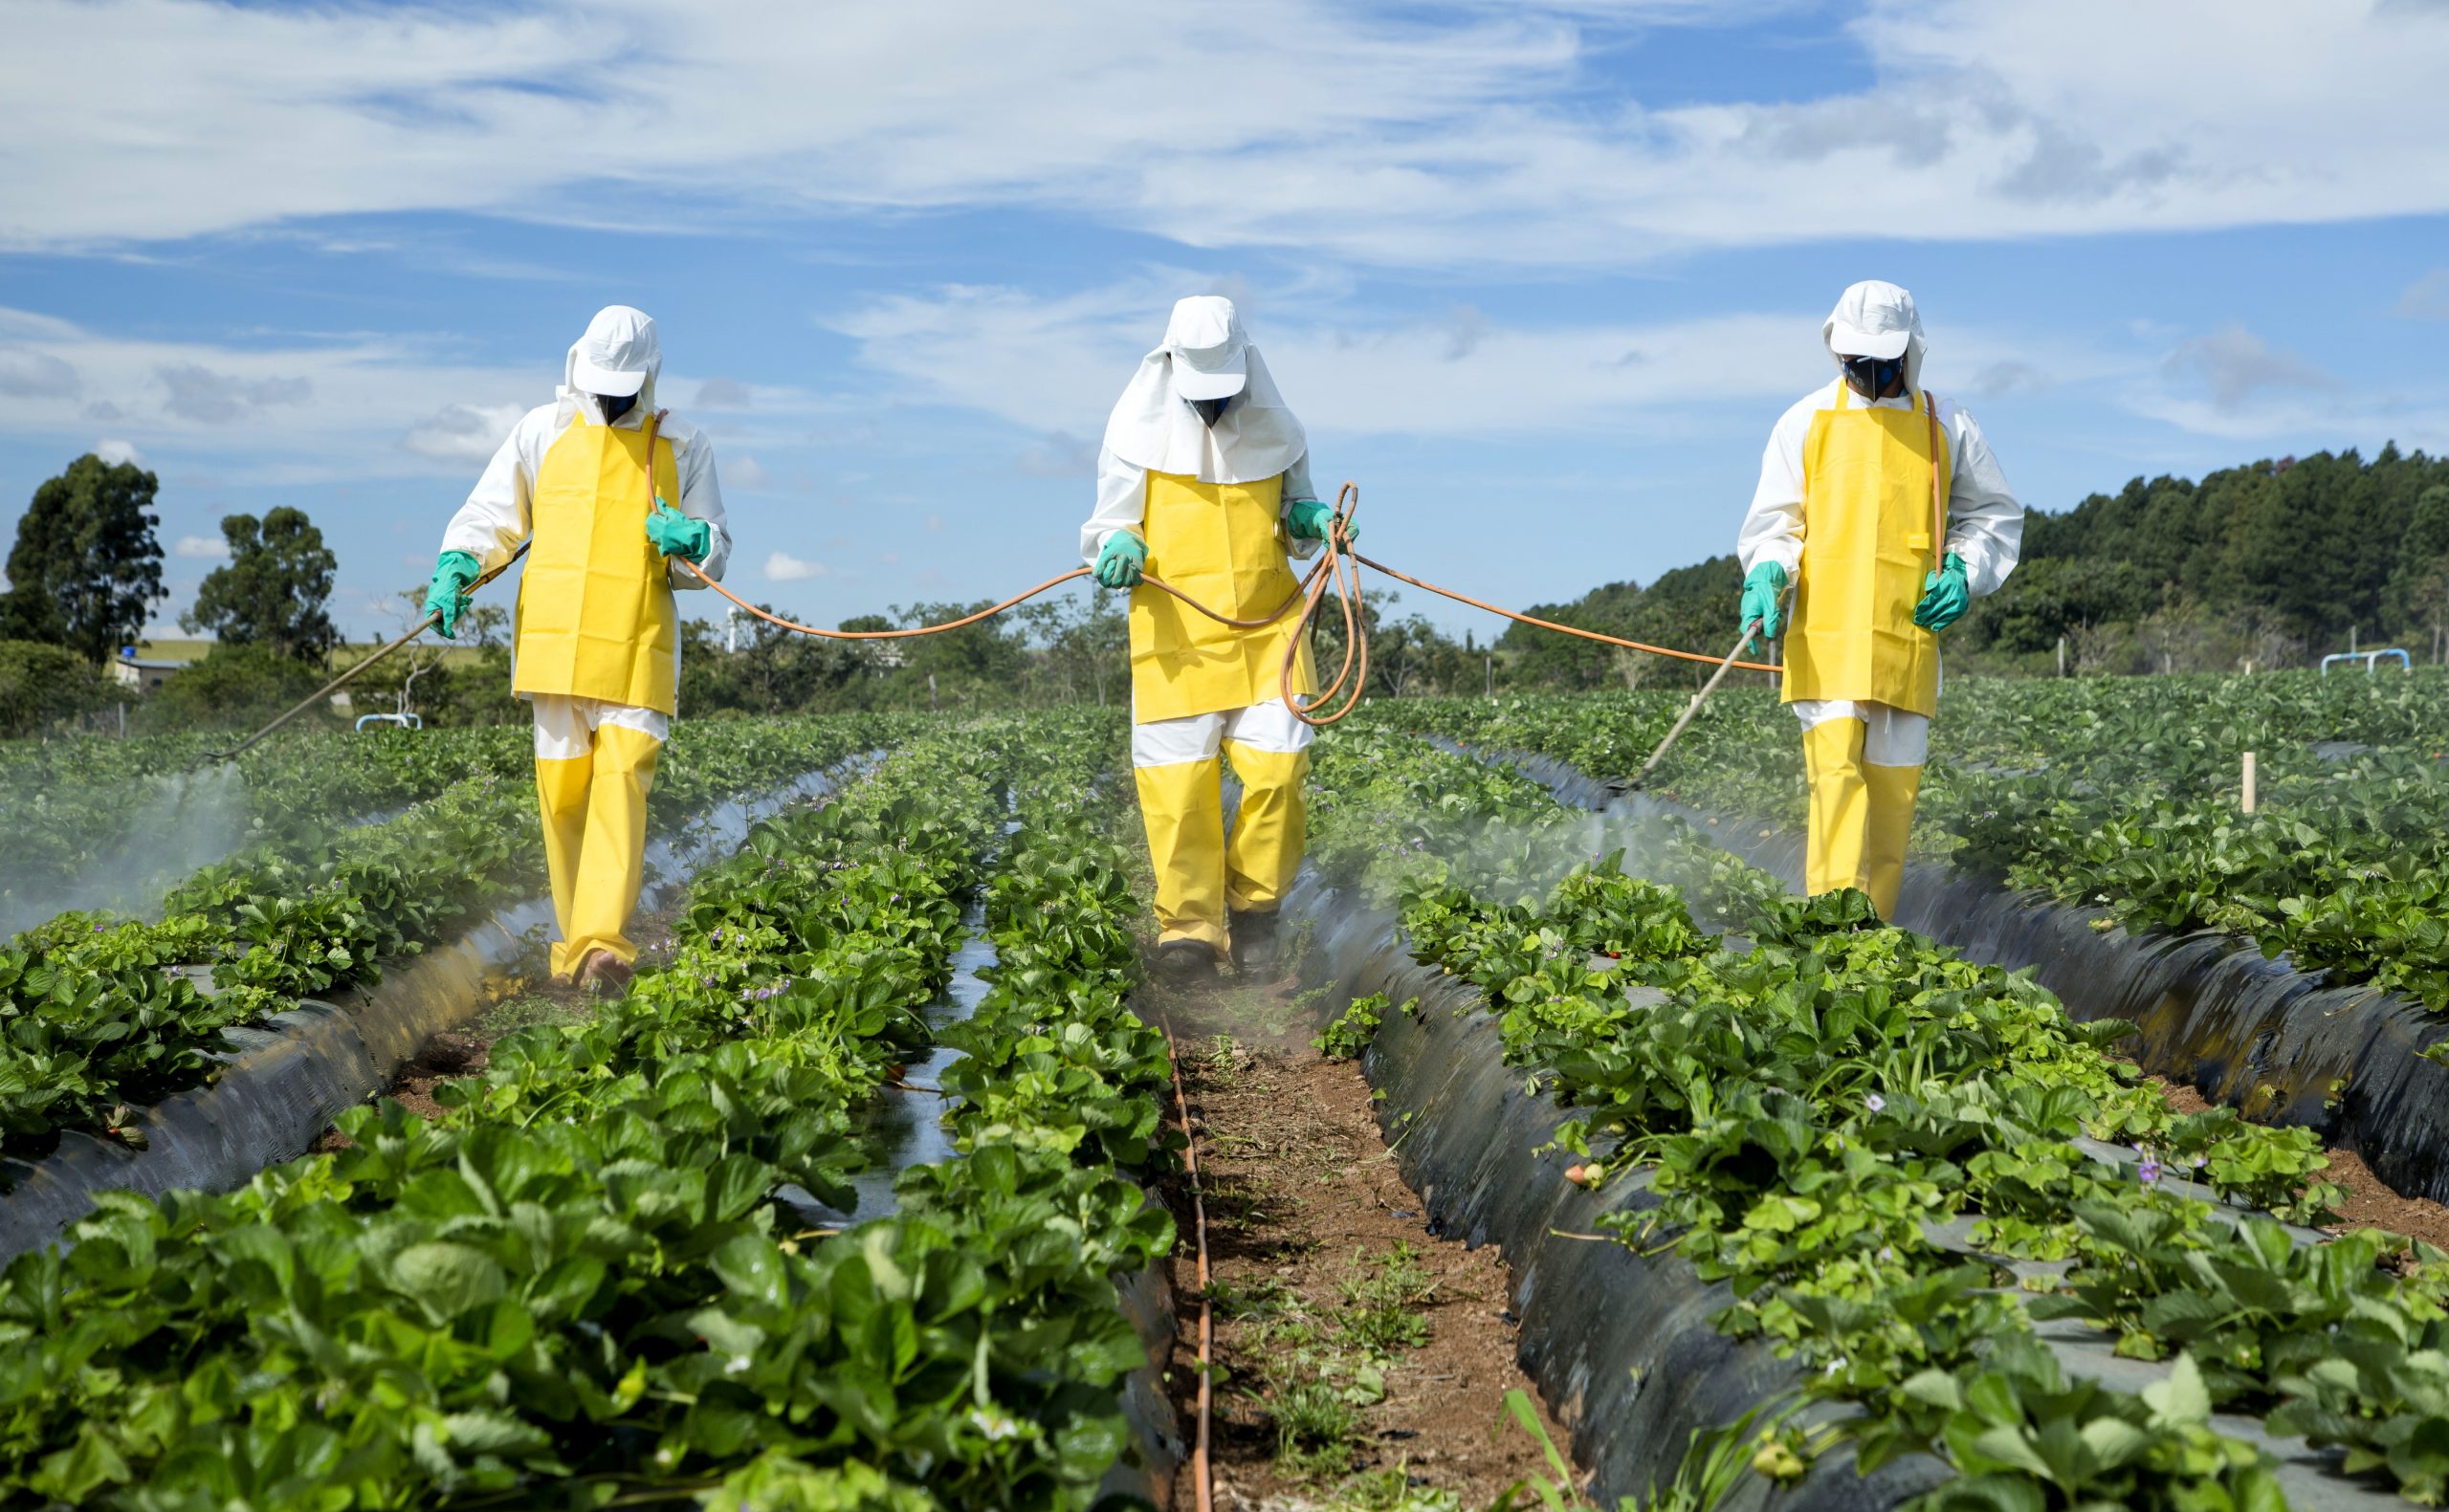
point(232, 686)
point(41, 686)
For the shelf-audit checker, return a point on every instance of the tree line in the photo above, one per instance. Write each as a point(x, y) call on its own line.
point(2274, 563)
point(2267, 565)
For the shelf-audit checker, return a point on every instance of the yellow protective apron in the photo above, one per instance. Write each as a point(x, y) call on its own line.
point(1219, 543)
point(1874, 522)
point(595, 616)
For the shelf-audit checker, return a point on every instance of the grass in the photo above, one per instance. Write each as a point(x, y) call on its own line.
point(1389, 1490)
point(526, 1011)
point(1381, 1301)
point(1319, 1369)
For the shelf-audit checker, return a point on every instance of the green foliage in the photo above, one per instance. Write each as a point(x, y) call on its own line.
point(1350, 1033)
point(42, 685)
point(86, 566)
point(574, 1288)
point(2116, 793)
point(2305, 547)
point(1689, 607)
point(235, 685)
point(1857, 1132)
point(273, 592)
point(88, 1021)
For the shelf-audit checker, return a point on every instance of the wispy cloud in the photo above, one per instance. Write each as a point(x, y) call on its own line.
point(202, 548)
point(2427, 298)
point(1473, 135)
point(463, 433)
point(783, 568)
point(2235, 365)
point(1055, 364)
point(208, 398)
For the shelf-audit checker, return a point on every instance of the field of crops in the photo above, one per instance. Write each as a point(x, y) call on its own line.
point(2120, 792)
point(1904, 1170)
point(1941, 1235)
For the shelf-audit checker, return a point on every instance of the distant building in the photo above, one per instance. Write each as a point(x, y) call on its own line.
point(143, 674)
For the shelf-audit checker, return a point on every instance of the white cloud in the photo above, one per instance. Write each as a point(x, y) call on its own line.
point(743, 472)
point(1478, 134)
point(202, 548)
point(2235, 365)
point(1055, 366)
point(723, 393)
point(783, 568)
point(210, 398)
point(463, 432)
point(1060, 455)
point(114, 452)
point(2007, 376)
point(26, 374)
point(304, 409)
point(2427, 298)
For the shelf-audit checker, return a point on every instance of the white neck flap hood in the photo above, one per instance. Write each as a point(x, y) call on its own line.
point(620, 354)
point(1873, 318)
point(1205, 350)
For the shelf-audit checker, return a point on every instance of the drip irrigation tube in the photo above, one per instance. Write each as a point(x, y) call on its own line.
point(292, 1075)
point(2281, 1045)
point(1200, 1468)
point(1619, 1342)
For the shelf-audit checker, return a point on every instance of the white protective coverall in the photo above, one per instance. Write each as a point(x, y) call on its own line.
point(596, 743)
point(1209, 502)
point(1888, 746)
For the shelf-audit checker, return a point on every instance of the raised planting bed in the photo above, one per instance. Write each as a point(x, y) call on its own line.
point(580, 1283)
point(287, 1077)
point(90, 1025)
point(2353, 1063)
point(1846, 1203)
point(2123, 793)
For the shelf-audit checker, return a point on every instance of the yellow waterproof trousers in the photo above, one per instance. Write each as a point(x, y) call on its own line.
point(1861, 815)
point(1203, 875)
point(595, 842)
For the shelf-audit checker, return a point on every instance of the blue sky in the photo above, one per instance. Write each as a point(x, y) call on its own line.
point(1539, 277)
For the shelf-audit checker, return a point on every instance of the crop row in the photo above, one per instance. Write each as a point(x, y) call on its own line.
point(88, 816)
point(1874, 1144)
point(91, 1023)
point(2121, 792)
point(576, 1284)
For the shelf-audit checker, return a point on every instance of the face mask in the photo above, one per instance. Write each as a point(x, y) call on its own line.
point(1871, 377)
point(615, 405)
point(1211, 411)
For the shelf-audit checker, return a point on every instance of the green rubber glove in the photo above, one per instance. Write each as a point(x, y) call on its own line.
point(1945, 595)
point(1307, 521)
point(455, 573)
point(676, 534)
point(1762, 589)
point(1121, 558)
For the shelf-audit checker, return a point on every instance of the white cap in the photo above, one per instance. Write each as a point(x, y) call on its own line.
point(618, 353)
point(1210, 351)
point(1872, 320)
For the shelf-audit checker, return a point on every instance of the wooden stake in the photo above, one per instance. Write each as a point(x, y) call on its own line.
point(2249, 782)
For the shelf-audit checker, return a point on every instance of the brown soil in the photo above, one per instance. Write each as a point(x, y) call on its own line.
point(1303, 1199)
point(465, 1051)
point(2370, 1204)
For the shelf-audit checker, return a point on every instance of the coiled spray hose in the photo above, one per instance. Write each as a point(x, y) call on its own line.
point(1337, 571)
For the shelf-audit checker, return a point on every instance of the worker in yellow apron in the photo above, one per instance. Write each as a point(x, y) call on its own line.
point(1881, 504)
point(607, 489)
point(1204, 481)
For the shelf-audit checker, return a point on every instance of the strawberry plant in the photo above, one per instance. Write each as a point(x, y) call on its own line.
point(1860, 1133)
